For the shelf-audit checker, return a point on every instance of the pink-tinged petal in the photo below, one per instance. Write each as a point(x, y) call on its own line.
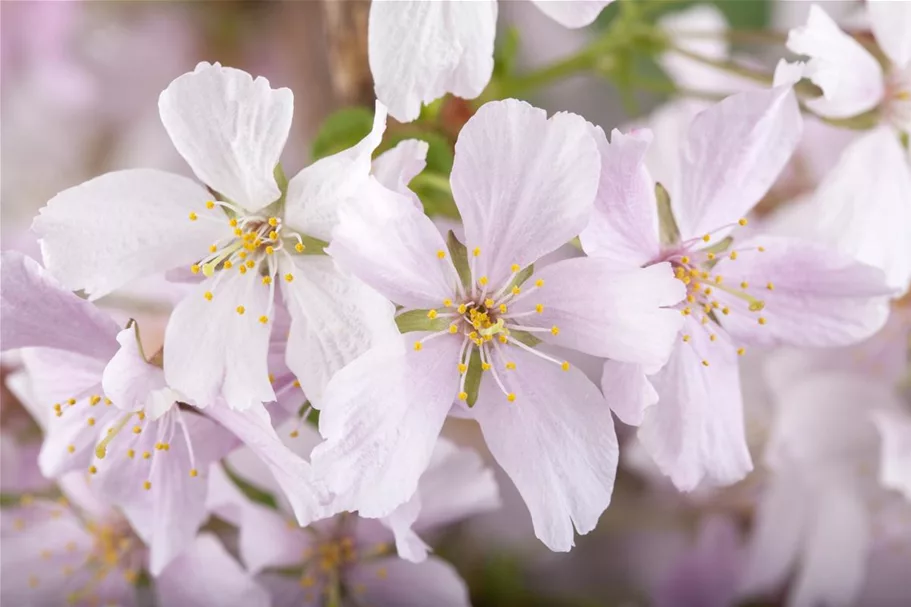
point(395, 168)
point(696, 429)
point(834, 559)
point(293, 474)
point(384, 240)
point(316, 193)
point(286, 591)
point(408, 544)
point(391, 581)
point(627, 390)
point(895, 460)
point(783, 513)
point(849, 76)
point(19, 472)
point(813, 296)
point(38, 312)
point(864, 205)
point(556, 442)
point(685, 72)
point(606, 308)
point(732, 155)
point(624, 225)
point(419, 51)
point(219, 346)
point(134, 384)
point(575, 14)
point(891, 24)
point(268, 539)
point(523, 183)
point(334, 319)
point(230, 129)
point(381, 416)
point(102, 234)
point(206, 574)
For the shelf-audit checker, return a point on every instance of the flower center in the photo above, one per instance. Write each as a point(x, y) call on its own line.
point(897, 106)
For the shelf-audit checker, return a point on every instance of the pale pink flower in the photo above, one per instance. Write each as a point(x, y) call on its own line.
point(124, 225)
point(419, 51)
point(107, 410)
point(79, 551)
point(524, 186)
point(759, 291)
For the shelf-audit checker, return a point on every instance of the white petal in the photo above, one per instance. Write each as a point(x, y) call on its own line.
point(849, 76)
point(316, 193)
point(38, 312)
point(381, 417)
point(627, 390)
point(556, 442)
point(732, 155)
point(400, 521)
point(211, 350)
point(334, 319)
point(106, 232)
point(419, 51)
point(708, 20)
point(624, 225)
point(206, 574)
point(230, 129)
point(396, 168)
point(574, 13)
point(895, 464)
point(524, 184)
point(132, 383)
point(391, 581)
point(391, 245)
point(891, 23)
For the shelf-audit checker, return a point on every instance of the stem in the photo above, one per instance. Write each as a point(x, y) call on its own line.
point(726, 65)
point(739, 36)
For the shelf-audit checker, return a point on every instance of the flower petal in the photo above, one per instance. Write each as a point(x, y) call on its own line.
point(556, 442)
point(268, 539)
point(206, 574)
point(394, 247)
point(578, 13)
point(849, 76)
point(381, 417)
point(895, 462)
point(334, 319)
point(523, 183)
point(391, 581)
point(419, 51)
point(102, 234)
point(396, 168)
point(219, 347)
point(891, 24)
point(627, 390)
point(812, 296)
point(316, 193)
point(134, 384)
point(696, 429)
point(732, 155)
point(230, 129)
point(400, 521)
point(624, 225)
point(38, 312)
point(606, 308)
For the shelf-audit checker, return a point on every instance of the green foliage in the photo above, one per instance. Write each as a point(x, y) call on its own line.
point(668, 231)
point(252, 492)
point(341, 130)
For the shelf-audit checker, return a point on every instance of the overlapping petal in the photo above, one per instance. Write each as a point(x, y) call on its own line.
point(578, 13)
point(891, 24)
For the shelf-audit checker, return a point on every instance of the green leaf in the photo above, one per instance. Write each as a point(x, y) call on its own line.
point(473, 377)
point(341, 130)
point(417, 320)
point(459, 255)
point(253, 493)
point(506, 52)
point(526, 338)
point(668, 232)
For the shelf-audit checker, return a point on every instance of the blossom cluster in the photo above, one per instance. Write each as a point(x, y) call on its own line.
point(599, 290)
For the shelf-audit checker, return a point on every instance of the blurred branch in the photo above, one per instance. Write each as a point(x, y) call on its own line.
point(346, 35)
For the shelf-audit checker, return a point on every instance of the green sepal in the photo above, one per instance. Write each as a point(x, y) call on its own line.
point(521, 277)
point(459, 255)
point(312, 417)
point(417, 320)
point(473, 377)
point(668, 232)
point(253, 493)
point(524, 337)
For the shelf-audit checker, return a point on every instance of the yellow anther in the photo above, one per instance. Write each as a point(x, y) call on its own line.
point(271, 377)
point(756, 305)
point(267, 280)
point(56, 406)
point(708, 290)
point(240, 309)
point(107, 401)
point(719, 279)
point(228, 265)
point(515, 268)
point(684, 260)
point(194, 472)
point(511, 397)
point(299, 247)
point(482, 281)
point(447, 302)
point(733, 255)
point(213, 248)
point(91, 421)
point(193, 216)
point(417, 346)
point(242, 269)
point(195, 268)
point(503, 308)
point(742, 222)
point(289, 277)
point(762, 249)
point(762, 320)
point(146, 455)
point(208, 295)
point(713, 337)
point(270, 250)
point(690, 298)
point(146, 485)
point(431, 314)
point(485, 366)
point(294, 434)
point(441, 254)
point(539, 283)
point(686, 337)
point(463, 395)
point(565, 365)
point(710, 256)
point(770, 286)
point(744, 285)
point(510, 366)
point(463, 367)
point(273, 221)
point(131, 454)
point(232, 222)
point(296, 384)
point(136, 429)
point(71, 448)
point(539, 308)
point(686, 311)
point(210, 204)
point(141, 415)
point(273, 235)
point(476, 251)
point(489, 303)
point(704, 320)
point(251, 264)
point(502, 338)
point(707, 238)
point(705, 363)
point(555, 330)
point(516, 290)
point(93, 470)
point(741, 351)
point(453, 329)
point(264, 319)
point(238, 232)
point(462, 308)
